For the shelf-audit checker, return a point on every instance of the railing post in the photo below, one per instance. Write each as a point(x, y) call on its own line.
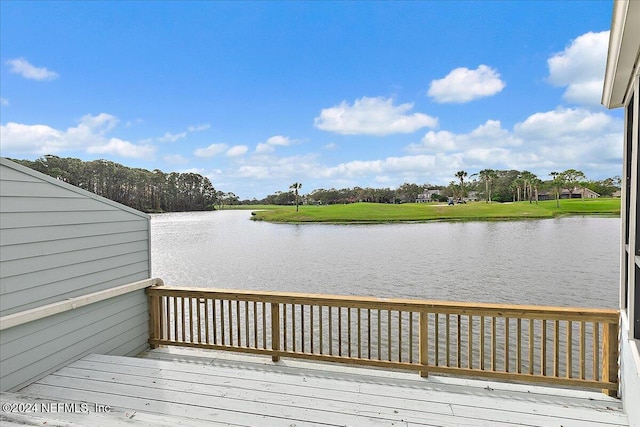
point(423, 343)
point(610, 356)
point(275, 331)
point(154, 320)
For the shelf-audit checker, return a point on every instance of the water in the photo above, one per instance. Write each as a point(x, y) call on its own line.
point(566, 262)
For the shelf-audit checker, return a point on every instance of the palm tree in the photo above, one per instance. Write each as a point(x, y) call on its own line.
point(557, 183)
point(461, 175)
point(528, 180)
point(295, 187)
point(488, 176)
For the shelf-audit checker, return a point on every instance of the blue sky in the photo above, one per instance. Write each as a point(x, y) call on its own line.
point(258, 95)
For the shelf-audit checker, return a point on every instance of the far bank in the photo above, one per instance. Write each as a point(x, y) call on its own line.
point(359, 213)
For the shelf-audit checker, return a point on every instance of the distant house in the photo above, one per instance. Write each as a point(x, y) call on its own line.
point(427, 196)
point(577, 193)
point(472, 196)
point(74, 267)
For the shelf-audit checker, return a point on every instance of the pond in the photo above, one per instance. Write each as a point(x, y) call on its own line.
point(571, 261)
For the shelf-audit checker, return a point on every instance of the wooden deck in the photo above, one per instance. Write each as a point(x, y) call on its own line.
point(195, 387)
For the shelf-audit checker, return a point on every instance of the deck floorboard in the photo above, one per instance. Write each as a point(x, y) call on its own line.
point(214, 388)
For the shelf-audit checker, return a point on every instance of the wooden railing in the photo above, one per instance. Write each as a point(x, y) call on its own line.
point(553, 345)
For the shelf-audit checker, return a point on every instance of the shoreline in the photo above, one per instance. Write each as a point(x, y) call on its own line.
point(371, 213)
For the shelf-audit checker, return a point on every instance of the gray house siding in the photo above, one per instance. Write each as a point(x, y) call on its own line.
point(59, 242)
point(115, 326)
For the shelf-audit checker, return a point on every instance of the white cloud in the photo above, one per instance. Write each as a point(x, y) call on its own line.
point(331, 146)
point(372, 116)
point(580, 67)
point(89, 135)
point(25, 69)
point(558, 139)
point(573, 123)
point(275, 141)
point(263, 148)
point(32, 139)
point(463, 85)
point(489, 134)
point(237, 150)
point(4, 102)
point(211, 151)
point(172, 137)
point(279, 140)
point(121, 148)
point(199, 128)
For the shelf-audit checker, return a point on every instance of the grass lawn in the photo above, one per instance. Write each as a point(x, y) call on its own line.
point(420, 212)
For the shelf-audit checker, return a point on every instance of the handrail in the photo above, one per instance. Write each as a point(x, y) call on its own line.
point(36, 313)
point(555, 345)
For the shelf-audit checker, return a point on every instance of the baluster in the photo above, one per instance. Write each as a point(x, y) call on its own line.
point(246, 323)
point(399, 336)
point(264, 325)
point(349, 330)
point(531, 345)
point(206, 317)
point(556, 348)
point(302, 340)
point(519, 345)
point(369, 333)
point(411, 337)
point(582, 350)
point(190, 302)
point(436, 339)
point(320, 310)
point(339, 331)
point(569, 348)
point(311, 331)
point(169, 318)
point(238, 325)
point(379, 337)
point(293, 326)
point(459, 340)
point(596, 350)
point(215, 321)
point(482, 342)
point(506, 344)
point(543, 348)
point(447, 338)
point(255, 325)
point(470, 355)
point(359, 334)
point(389, 335)
point(198, 320)
point(330, 331)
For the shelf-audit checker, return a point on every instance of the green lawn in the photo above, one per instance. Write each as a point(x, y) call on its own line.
point(379, 213)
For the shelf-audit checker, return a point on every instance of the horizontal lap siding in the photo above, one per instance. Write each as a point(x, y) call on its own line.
point(59, 242)
point(115, 326)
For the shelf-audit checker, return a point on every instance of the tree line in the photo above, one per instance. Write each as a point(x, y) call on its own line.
point(158, 191)
point(141, 189)
point(488, 185)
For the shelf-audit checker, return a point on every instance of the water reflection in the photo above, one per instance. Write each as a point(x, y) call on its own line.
point(568, 261)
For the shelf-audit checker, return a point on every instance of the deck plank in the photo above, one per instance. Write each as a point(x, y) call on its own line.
point(250, 390)
point(360, 393)
point(115, 417)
